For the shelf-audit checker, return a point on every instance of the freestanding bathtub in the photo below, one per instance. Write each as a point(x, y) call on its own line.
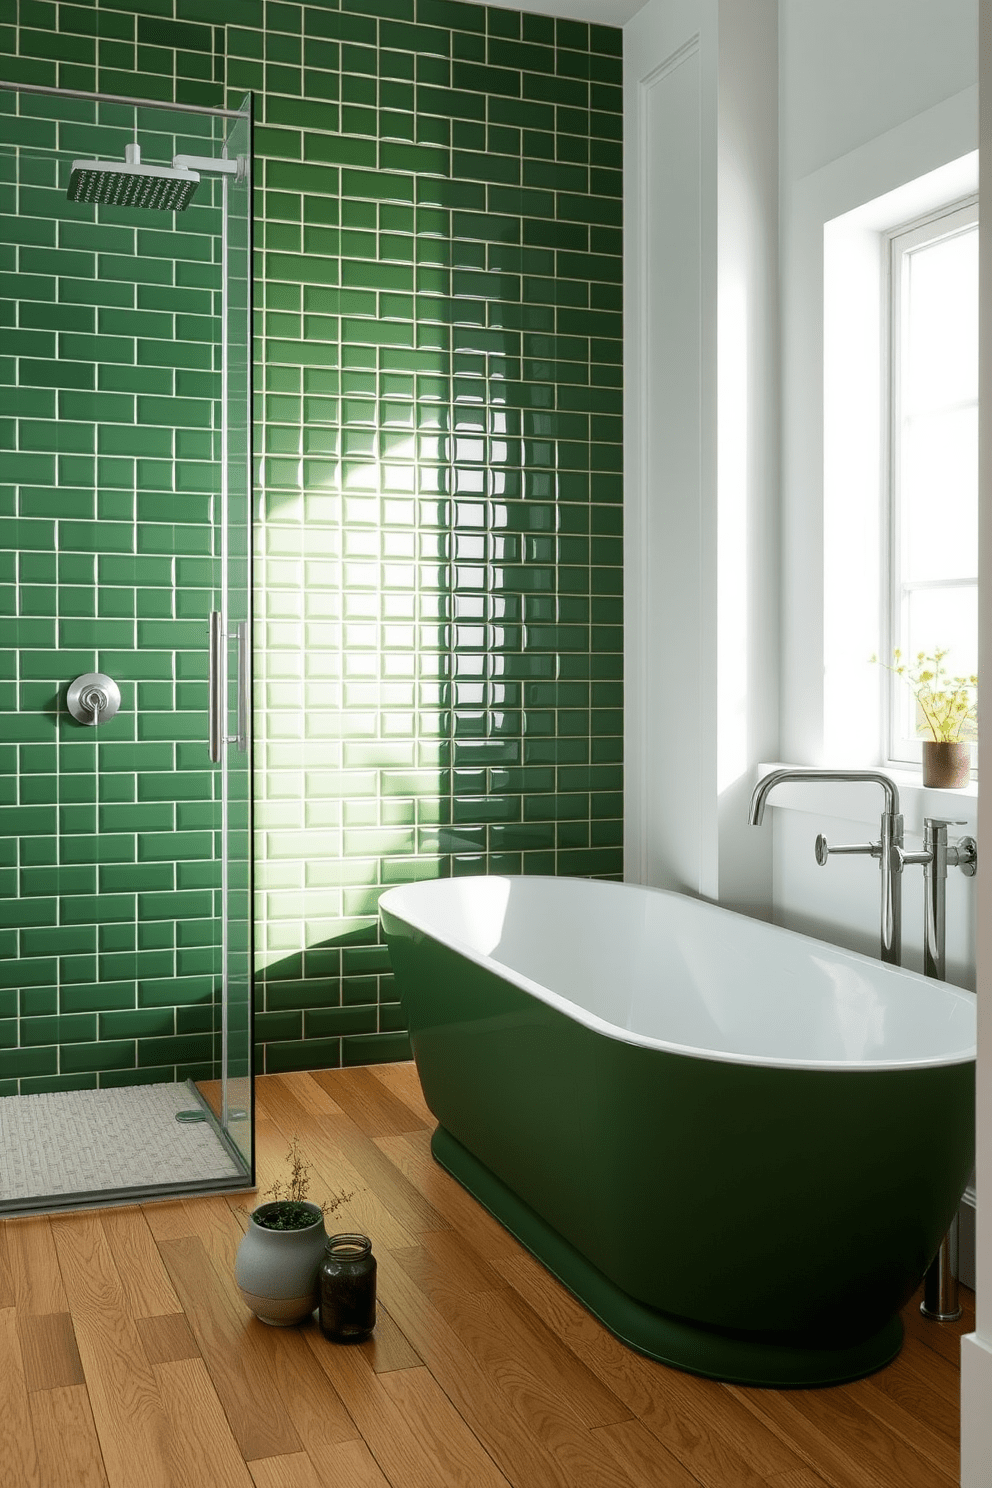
point(737, 1146)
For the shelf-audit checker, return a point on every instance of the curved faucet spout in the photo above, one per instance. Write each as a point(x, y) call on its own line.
point(768, 783)
point(887, 849)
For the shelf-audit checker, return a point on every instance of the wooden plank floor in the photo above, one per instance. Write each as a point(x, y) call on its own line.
point(127, 1357)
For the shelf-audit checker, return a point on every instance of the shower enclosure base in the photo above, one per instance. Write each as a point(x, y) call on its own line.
point(736, 1358)
point(82, 1147)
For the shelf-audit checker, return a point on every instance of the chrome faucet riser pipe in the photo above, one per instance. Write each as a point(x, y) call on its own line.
point(935, 900)
point(940, 1284)
point(891, 870)
point(936, 857)
point(941, 1298)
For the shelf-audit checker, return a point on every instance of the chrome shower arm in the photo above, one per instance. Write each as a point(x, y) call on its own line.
point(211, 164)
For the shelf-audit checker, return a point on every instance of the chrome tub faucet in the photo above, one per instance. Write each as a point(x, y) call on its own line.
point(940, 1286)
point(888, 849)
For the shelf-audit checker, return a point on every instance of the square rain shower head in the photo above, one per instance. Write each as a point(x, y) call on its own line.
point(131, 184)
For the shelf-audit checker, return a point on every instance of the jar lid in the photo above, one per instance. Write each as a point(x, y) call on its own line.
point(348, 1247)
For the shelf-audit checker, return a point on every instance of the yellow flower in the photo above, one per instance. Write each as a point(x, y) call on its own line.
point(949, 705)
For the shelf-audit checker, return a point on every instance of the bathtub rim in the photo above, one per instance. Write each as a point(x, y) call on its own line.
point(600, 1025)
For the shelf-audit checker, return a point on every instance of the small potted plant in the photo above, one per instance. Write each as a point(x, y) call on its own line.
point(947, 709)
point(281, 1251)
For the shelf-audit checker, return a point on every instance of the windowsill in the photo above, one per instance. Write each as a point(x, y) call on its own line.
point(862, 801)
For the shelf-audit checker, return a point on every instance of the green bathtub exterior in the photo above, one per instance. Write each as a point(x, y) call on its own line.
point(751, 1223)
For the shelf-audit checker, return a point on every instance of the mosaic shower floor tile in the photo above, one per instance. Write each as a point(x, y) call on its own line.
point(82, 1141)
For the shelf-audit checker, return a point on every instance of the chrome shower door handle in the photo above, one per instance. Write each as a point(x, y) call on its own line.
point(244, 680)
point(215, 701)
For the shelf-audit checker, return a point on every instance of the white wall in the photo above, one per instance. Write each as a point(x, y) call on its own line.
point(871, 95)
point(700, 274)
point(976, 1348)
point(724, 583)
point(669, 458)
point(851, 69)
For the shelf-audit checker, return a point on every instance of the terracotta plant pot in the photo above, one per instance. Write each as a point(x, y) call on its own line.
point(276, 1270)
point(946, 765)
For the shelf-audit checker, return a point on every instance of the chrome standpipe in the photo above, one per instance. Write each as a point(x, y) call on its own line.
point(940, 1284)
point(941, 855)
point(941, 1299)
point(887, 849)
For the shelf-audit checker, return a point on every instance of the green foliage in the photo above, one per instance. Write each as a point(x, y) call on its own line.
point(289, 1207)
point(286, 1216)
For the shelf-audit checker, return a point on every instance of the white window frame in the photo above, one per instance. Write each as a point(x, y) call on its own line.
point(948, 220)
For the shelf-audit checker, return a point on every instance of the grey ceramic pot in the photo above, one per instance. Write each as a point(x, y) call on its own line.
point(276, 1270)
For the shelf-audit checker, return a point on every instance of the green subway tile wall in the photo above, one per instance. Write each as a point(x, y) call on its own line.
point(439, 405)
point(108, 411)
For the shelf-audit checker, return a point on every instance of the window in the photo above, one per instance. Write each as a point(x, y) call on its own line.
point(932, 548)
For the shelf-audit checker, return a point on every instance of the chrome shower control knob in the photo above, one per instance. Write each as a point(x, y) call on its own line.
point(93, 698)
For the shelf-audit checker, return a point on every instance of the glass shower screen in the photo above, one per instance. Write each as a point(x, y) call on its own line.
point(125, 551)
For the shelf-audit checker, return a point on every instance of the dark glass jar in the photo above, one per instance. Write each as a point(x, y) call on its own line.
point(347, 1288)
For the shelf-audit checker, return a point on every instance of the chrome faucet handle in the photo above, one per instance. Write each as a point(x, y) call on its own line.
point(964, 855)
point(823, 849)
point(909, 859)
point(937, 853)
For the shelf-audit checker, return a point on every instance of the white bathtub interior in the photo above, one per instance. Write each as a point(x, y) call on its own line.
point(671, 971)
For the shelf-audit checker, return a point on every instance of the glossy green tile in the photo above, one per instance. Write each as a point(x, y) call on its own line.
point(141, 1023)
point(117, 1054)
point(350, 1020)
point(66, 1030)
point(94, 997)
point(303, 1054)
point(375, 1048)
point(16, 1064)
point(31, 1002)
point(488, 325)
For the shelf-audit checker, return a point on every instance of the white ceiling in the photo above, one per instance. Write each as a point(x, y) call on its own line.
point(604, 12)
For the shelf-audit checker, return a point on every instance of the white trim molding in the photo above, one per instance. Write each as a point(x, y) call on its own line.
point(976, 1348)
point(600, 12)
point(832, 504)
point(966, 1237)
point(701, 331)
point(669, 279)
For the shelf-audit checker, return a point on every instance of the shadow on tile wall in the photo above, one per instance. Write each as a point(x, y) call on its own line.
point(438, 207)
